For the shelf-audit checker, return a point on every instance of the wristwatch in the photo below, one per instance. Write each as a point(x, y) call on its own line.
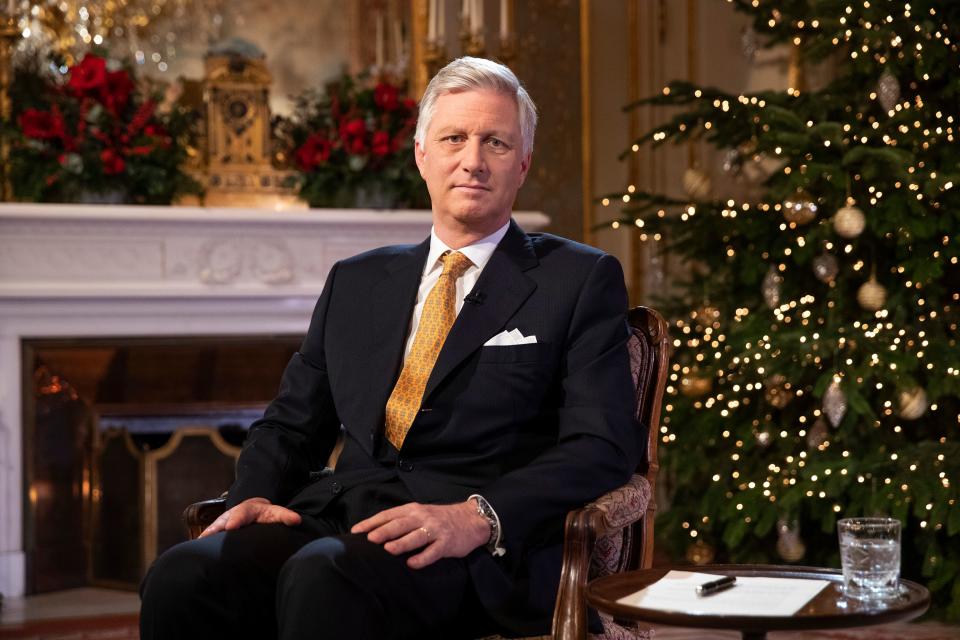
point(487, 513)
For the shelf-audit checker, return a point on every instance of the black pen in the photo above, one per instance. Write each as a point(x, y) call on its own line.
point(716, 586)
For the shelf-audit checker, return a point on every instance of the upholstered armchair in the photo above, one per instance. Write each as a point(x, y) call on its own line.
point(611, 534)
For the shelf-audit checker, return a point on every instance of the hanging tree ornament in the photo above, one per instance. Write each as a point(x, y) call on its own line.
point(707, 315)
point(835, 402)
point(849, 221)
point(700, 552)
point(888, 90)
point(694, 385)
point(817, 434)
point(912, 403)
point(748, 43)
point(872, 295)
point(696, 184)
point(732, 162)
point(790, 545)
point(777, 391)
point(771, 287)
point(825, 267)
point(764, 438)
point(800, 208)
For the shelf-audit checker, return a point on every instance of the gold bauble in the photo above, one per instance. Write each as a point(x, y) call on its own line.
point(849, 222)
point(777, 391)
point(700, 553)
point(706, 315)
point(694, 386)
point(800, 208)
point(696, 184)
point(912, 403)
point(872, 295)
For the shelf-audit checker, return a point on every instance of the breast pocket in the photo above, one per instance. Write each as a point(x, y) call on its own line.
point(514, 354)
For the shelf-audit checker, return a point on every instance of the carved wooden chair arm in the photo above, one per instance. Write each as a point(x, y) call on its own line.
point(606, 515)
point(201, 515)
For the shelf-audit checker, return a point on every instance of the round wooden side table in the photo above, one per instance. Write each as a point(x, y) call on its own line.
point(829, 609)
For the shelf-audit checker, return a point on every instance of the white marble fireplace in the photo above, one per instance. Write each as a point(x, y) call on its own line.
point(79, 271)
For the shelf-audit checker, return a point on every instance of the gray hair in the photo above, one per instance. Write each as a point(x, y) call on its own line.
point(466, 74)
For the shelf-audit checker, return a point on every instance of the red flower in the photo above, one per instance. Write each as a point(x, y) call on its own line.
point(115, 93)
point(41, 125)
point(112, 162)
point(352, 134)
point(399, 141)
point(386, 96)
point(381, 144)
point(89, 75)
point(141, 150)
point(315, 151)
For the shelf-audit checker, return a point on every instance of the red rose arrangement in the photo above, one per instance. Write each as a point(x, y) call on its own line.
point(352, 146)
point(96, 132)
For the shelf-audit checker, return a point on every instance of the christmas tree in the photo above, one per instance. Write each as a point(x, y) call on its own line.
point(816, 373)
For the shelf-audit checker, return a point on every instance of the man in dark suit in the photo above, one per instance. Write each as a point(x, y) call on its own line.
point(481, 384)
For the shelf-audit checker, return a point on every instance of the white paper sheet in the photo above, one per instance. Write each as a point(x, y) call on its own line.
point(751, 596)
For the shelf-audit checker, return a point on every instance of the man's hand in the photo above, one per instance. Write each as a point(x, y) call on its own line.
point(250, 511)
point(444, 531)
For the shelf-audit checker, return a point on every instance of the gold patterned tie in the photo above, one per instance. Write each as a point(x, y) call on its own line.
point(439, 312)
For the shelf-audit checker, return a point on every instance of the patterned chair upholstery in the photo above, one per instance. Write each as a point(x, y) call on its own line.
point(612, 534)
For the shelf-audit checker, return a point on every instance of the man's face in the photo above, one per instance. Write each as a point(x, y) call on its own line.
point(472, 160)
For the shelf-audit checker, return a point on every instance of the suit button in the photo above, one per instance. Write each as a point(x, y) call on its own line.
point(405, 465)
point(336, 488)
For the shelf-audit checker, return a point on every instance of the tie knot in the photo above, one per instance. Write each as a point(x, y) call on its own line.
point(454, 264)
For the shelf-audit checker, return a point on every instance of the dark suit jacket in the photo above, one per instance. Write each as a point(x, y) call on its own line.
point(537, 429)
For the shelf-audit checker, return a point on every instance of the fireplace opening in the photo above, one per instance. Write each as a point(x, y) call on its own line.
point(120, 435)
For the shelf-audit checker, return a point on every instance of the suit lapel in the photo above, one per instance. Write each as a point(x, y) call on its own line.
point(503, 287)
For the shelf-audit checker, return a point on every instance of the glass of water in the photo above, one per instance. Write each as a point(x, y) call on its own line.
point(870, 556)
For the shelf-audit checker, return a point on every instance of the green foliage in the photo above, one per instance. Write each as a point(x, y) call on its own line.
point(757, 448)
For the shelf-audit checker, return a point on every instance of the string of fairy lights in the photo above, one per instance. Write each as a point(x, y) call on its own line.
point(745, 374)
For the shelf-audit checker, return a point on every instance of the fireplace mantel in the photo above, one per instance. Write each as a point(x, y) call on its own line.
point(96, 271)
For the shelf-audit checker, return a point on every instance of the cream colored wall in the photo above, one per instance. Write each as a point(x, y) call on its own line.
point(699, 40)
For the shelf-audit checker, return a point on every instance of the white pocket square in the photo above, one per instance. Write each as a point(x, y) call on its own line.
point(509, 339)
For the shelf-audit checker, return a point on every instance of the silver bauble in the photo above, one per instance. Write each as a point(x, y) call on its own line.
point(912, 403)
point(790, 545)
point(800, 208)
point(764, 438)
point(849, 222)
point(825, 267)
point(696, 184)
point(732, 162)
point(748, 43)
point(888, 90)
point(872, 295)
point(835, 403)
point(771, 287)
point(817, 434)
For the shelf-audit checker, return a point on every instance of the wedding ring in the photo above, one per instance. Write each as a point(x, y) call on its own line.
point(426, 532)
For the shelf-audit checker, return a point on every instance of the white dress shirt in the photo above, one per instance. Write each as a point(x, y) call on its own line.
point(479, 254)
